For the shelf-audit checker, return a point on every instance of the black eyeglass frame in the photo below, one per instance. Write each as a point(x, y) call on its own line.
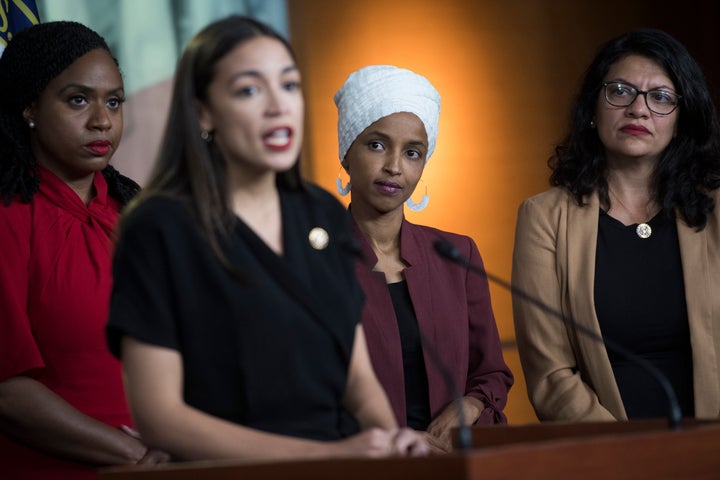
point(639, 92)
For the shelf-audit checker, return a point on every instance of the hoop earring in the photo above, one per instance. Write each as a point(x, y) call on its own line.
point(417, 207)
point(342, 191)
point(206, 136)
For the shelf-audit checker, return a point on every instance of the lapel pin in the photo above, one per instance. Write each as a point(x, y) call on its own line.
point(319, 238)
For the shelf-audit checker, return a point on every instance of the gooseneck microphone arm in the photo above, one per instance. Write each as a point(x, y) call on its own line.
point(451, 252)
point(464, 433)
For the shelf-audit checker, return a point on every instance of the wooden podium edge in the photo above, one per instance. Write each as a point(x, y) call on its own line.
point(495, 435)
point(634, 450)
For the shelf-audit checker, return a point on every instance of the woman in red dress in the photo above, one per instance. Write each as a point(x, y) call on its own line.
point(62, 405)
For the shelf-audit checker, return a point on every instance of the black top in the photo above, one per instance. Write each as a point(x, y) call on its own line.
point(417, 396)
point(640, 304)
point(271, 351)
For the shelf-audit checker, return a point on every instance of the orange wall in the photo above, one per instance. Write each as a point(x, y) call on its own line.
point(506, 71)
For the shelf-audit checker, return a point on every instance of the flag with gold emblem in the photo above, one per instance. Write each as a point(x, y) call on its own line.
point(14, 16)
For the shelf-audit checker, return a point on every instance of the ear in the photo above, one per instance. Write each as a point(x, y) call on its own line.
point(345, 164)
point(204, 116)
point(29, 113)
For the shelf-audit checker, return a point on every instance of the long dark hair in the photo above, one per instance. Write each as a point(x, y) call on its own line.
point(188, 167)
point(32, 59)
point(689, 167)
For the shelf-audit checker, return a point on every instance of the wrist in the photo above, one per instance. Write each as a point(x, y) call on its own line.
point(472, 407)
point(137, 453)
point(134, 449)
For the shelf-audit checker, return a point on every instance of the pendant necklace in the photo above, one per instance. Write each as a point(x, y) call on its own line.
point(643, 230)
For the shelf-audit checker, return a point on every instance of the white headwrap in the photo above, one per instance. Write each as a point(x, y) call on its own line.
point(377, 91)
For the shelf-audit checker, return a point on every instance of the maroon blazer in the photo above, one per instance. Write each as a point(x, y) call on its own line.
point(454, 313)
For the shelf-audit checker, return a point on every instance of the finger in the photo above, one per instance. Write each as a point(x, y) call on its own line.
point(435, 445)
point(154, 457)
point(376, 442)
point(410, 442)
point(130, 431)
point(441, 425)
point(159, 456)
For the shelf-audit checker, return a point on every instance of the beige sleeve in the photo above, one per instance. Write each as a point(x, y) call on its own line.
point(555, 383)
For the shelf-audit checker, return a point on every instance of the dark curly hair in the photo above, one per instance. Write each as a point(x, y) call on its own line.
point(689, 167)
point(31, 60)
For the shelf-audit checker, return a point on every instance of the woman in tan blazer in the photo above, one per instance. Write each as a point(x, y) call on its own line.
point(626, 244)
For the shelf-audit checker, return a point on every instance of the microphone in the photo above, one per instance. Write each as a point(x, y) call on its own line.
point(452, 253)
point(352, 246)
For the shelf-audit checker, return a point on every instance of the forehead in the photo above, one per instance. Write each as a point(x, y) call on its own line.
point(259, 54)
point(400, 124)
point(637, 68)
point(94, 67)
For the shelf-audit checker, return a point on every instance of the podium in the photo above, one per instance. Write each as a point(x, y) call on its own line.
point(588, 451)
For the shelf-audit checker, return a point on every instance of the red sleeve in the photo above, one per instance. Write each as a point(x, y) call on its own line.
point(20, 353)
point(489, 378)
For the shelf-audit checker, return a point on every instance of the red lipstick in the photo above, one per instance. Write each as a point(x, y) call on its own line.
point(99, 147)
point(278, 139)
point(634, 130)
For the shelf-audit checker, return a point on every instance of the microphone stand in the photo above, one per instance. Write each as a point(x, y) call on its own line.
point(464, 432)
point(450, 252)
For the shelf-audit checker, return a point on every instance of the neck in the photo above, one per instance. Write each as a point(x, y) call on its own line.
point(84, 189)
point(249, 188)
point(632, 171)
point(81, 182)
point(631, 195)
point(84, 186)
point(382, 230)
point(256, 201)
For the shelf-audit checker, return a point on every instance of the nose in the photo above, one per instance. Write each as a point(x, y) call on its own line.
point(392, 163)
point(638, 108)
point(276, 104)
point(100, 118)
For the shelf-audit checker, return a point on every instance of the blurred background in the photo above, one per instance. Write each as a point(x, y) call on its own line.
point(506, 71)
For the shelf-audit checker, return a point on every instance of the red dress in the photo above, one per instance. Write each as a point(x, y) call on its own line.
point(55, 280)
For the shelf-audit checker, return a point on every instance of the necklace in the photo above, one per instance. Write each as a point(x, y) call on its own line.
point(643, 230)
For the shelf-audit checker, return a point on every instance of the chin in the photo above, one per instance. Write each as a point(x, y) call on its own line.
point(97, 165)
point(283, 164)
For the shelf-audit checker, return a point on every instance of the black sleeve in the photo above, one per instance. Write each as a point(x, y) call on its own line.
point(144, 297)
point(348, 249)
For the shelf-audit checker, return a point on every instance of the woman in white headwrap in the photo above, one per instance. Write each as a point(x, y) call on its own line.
point(425, 318)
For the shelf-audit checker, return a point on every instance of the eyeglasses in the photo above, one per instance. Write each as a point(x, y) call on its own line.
point(658, 101)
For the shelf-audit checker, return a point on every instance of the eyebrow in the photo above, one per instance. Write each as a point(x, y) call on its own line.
point(85, 88)
point(385, 136)
point(661, 87)
point(258, 74)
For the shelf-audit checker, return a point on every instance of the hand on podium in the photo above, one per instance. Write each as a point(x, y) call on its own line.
point(379, 443)
point(152, 456)
point(439, 432)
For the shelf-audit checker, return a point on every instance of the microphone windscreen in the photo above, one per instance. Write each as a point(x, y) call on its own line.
point(448, 250)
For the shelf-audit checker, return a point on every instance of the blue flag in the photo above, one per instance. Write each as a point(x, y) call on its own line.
point(14, 16)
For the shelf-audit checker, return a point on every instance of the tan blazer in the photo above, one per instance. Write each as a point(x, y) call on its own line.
point(568, 374)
